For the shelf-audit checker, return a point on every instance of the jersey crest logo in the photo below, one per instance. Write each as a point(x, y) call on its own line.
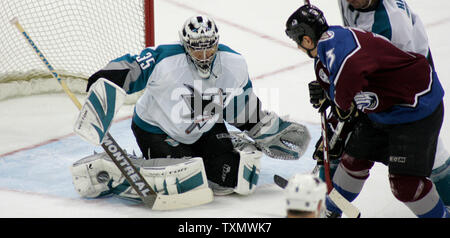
point(203, 107)
point(366, 101)
point(328, 35)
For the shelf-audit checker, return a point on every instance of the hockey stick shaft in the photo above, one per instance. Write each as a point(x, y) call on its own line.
point(337, 134)
point(333, 140)
point(333, 194)
point(118, 156)
point(326, 158)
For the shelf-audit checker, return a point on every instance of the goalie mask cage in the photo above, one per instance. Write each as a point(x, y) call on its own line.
point(78, 37)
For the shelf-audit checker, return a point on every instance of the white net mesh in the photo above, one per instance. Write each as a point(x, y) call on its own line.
point(78, 37)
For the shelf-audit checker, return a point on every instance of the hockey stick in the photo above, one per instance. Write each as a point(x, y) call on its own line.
point(333, 140)
point(335, 196)
point(346, 207)
point(337, 134)
point(326, 158)
point(148, 196)
point(342, 203)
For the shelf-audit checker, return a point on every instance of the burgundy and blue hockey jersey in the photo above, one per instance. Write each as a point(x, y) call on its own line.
point(390, 85)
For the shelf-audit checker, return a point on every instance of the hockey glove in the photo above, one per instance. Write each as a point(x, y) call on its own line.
point(334, 153)
point(337, 138)
point(317, 96)
point(280, 139)
point(96, 116)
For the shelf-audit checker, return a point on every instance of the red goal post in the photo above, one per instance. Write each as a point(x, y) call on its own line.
point(78, 36)
point(149, 22)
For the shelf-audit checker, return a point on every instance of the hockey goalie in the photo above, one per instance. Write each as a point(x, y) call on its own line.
point(192, 88)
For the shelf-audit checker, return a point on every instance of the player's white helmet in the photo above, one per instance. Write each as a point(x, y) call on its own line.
point(200, 38)
point(304, 192)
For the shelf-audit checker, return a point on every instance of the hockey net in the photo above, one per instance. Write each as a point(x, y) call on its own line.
point(78, 37)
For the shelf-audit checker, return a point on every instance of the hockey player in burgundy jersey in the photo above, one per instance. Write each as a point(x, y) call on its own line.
point(393, 97)
point(396, 21)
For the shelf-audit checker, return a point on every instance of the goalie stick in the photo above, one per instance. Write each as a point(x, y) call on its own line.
point(148, 196)
point(346, 207)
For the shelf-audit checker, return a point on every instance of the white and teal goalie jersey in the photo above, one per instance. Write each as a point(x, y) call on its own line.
point(176, 101)
point(392, 19)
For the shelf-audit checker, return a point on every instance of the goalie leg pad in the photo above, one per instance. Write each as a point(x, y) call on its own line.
point(175, 176)
point(97, 176)
point(249, 170)
point(91, 175)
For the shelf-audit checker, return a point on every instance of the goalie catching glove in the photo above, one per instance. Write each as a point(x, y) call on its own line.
point(279, 138)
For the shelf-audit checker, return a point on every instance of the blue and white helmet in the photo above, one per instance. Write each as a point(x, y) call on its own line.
point(200, 38)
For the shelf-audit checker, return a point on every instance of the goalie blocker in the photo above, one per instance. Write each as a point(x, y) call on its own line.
point(102, 104)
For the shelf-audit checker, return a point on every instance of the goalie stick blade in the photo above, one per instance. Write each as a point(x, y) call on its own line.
point(346, 207)
point(183, 200)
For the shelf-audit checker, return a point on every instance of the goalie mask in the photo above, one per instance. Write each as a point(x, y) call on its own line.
point(200, 38)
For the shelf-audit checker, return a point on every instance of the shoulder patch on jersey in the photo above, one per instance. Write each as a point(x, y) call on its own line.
point(366, 101)
point(328, 35)
point(323, 76)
